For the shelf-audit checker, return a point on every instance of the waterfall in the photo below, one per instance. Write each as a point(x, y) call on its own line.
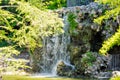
point(55, 50)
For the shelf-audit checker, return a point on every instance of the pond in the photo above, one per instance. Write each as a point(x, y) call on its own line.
point(16, 77)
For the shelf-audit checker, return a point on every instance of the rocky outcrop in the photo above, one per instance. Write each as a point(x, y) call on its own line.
point(78, 2)
point(89, 36)
point(99, 66)
point(64, 69)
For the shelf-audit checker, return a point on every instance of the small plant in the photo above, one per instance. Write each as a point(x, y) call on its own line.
point(72, 22)
point(88, 59)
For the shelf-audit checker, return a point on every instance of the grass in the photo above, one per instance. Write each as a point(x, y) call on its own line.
point(16, 77)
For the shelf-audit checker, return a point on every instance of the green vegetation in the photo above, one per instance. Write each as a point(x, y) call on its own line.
point(49, 4)
point(72, 22)
point(36, 3)
point(24, 26)
point(114, 11)
point(54, 4)
point(112, 41)
point(88, 59)
point(115, 78)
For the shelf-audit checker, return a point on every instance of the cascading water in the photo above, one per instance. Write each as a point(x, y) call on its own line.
point(55, 50)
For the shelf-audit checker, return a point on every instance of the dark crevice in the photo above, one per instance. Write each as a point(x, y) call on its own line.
point(96, 42)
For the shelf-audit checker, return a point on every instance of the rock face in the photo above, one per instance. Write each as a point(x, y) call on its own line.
point(64, 69)
point(99, 66)
point(78, 2)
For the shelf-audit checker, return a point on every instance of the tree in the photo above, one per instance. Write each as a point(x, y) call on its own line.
point(24, 26)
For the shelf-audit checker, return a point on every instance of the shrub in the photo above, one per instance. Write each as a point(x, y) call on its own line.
point(24, 27)
point(88, 59)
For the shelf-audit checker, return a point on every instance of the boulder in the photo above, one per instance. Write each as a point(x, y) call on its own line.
point(115, 73)
point(64, 69)
point(98, 68)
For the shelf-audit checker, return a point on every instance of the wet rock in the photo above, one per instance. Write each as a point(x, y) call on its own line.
point(118, 19)
point(104, 74)
point(99, 66)
point(64, 69)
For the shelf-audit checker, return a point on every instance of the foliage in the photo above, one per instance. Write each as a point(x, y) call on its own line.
point(114, 11)
point(115, 78)
point(49, 4)
point(7, 62)
point(114, 40)
point(72, 22)
point(88, 59)
point(54, 4)
point(25, 26)
point(37, 3)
